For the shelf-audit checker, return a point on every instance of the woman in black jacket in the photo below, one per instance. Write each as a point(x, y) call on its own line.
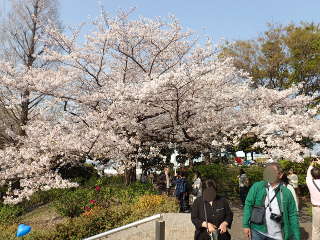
point(211, 214)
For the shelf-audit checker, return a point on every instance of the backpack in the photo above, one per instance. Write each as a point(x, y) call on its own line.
point(181, 186)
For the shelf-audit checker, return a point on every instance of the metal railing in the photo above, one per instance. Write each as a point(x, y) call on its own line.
point(159, 233)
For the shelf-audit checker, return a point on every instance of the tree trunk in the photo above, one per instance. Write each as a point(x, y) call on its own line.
point(252, 156)
point(207, 159)
point(190, 161)
point(24, 111)
point(130, 175)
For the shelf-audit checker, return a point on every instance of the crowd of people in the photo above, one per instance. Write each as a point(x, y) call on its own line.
point(270, 207)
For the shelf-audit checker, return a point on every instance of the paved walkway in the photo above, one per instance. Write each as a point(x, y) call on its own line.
point(236, 231)
point(179, 226)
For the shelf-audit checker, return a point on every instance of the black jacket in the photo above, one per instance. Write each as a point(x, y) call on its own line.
point(217, 213)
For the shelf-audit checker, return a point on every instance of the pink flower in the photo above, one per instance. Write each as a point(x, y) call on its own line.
point(93, 201)
point(98, 188)
point(87, 208)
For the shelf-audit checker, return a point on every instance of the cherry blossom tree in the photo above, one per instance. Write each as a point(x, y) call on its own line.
point(24, 168)
point(131, 88)
point(21, 47)
point(168, 89)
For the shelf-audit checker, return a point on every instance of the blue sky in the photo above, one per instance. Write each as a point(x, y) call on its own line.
point(218, 19)
point(227, 19)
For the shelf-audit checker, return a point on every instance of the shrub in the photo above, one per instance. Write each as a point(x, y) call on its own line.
point(83, 226)
point(99, 220)
point(254, 173)
point(10, 213)
point(127, 194)
point(90, 182)
point(154, 204)
point(214, 171)
point(226, 177)
point(120, 215)
point(111, 180)
point(96, 180)
point(137, 189)
point(43, 197)
point(147, 202)
point(72, 203)
point(8, 232)
point(300, 168)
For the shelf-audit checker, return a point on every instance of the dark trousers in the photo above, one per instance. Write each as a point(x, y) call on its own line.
point(182, 198)
point(258, 236)
point(168, 191)
point(203, 235)
point(243, 194)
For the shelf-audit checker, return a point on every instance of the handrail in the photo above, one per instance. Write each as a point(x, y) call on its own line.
point(134, 224)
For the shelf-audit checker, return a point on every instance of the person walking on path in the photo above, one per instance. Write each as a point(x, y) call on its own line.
point(143, 178)
point(293, 179)
point(151, 177)
point(196, 186)
point(313, 182)
point(270, 211)
point(285, 181)
point(181, 190)
point(211, 214)
point(166, 172)
point(243, 186)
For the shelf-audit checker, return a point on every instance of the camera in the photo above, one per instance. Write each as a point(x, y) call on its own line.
point(215, 235)
point(275, 217)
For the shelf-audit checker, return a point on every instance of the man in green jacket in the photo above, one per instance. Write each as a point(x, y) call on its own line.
point(270, 211)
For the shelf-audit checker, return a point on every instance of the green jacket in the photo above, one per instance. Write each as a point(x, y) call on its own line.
point(290, 224)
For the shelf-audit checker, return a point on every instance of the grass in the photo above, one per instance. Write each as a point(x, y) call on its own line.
point(42, 217)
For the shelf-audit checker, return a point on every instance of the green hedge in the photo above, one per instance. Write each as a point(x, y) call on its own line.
point(299, 168)
point(77, 201)
point(226, 176)
point(10, 213)
point(73, 203)
point(101, 219)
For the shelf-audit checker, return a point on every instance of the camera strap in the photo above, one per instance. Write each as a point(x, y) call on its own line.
point(275, 195)
point(206, 216)
point(281, 198)
point(314, 183)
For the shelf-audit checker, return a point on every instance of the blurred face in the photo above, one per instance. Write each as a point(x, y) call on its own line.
point(272, 175)
point(209, 194)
